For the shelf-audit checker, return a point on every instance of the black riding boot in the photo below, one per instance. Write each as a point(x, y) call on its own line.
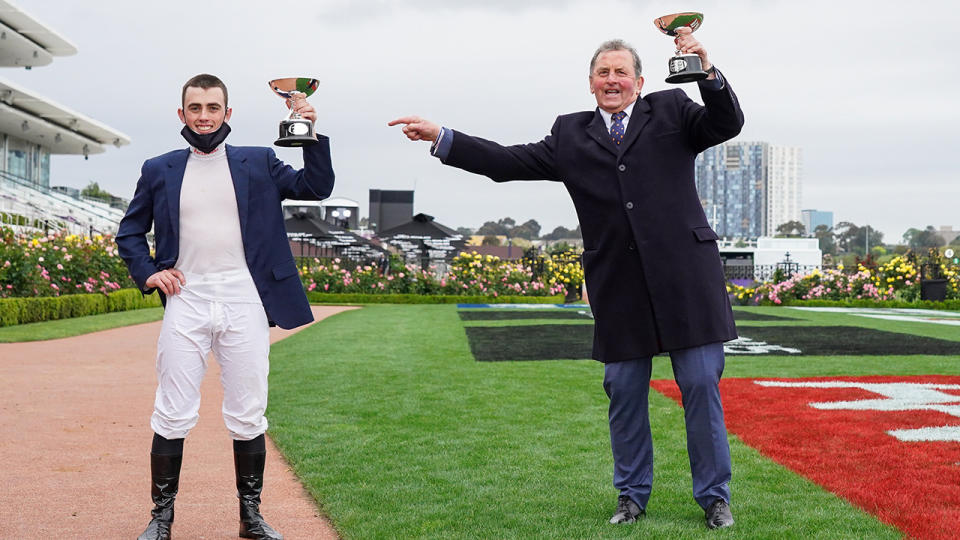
point(249, 467)
point(165, 480)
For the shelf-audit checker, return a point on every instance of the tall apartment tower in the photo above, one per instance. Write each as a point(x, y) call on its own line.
point(749, 188)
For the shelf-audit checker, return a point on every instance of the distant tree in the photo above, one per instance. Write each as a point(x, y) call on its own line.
point(918, 239)
point(493, 228)
point(956, 241)
point(465, 231)
point(491, 240)
point(94, 192)
point(558, 233)
point(791, 229)
point(846, 234)
point(507, 222)
point(529, 230)
point(866, 236)
point(827, 243)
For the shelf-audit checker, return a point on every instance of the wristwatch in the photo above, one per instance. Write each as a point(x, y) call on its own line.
point(712, 70)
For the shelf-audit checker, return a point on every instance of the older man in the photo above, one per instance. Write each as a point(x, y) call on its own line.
point(653, 270)
point(225, 273)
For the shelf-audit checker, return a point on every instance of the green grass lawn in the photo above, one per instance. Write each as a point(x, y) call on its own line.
point(399, 433)
point(80, 325)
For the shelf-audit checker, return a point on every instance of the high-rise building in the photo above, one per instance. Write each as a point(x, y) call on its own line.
point(814, 218)
point(749, 188)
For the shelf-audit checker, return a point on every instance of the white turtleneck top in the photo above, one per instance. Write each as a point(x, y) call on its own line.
point(210, 240)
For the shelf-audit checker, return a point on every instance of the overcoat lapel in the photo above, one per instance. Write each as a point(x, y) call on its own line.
point(173, 181)
point(638, 118)
point(241, 184)
point(597, 130)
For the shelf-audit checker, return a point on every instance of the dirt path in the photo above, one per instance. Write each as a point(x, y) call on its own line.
point(75, 446)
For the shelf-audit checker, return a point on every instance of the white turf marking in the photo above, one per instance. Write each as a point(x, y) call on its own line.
point(934, 316)
point(942, 433)
point(896, 397)
point(904, 318)
point(745, 345)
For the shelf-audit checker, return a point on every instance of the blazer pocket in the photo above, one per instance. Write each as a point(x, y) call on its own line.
point(284, 270)
point(705, 234)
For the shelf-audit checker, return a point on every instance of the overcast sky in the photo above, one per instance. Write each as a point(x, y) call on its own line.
point(864, 88)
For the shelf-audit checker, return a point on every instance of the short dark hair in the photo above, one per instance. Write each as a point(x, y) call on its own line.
point(617, 45)
point(205, 81)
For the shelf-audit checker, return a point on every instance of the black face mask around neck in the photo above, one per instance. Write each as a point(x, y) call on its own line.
point(208, 142)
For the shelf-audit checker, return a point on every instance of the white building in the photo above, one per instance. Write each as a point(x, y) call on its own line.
point(758, 261)
point(33, 127)
point(783, 185)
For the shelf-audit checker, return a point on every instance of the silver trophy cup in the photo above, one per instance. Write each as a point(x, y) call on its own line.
point(683, 67)
point(295, 130)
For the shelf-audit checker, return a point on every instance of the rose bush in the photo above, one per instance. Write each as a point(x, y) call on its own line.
point(468, 274)
point(58, 264)
point(897, 279)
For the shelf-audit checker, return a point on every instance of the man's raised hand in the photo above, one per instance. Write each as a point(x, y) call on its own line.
point(169, 281)
point(417, 129)
point(687, 44)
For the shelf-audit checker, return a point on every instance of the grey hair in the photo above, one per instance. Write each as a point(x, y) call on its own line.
point(617, 45)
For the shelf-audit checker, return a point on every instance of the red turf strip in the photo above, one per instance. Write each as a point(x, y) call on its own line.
point(914, 486)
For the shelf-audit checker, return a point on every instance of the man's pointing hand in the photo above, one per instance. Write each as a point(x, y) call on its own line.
point(417, 129)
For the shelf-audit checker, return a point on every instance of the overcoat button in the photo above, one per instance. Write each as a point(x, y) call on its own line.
point(629, 205)
point(622, 167)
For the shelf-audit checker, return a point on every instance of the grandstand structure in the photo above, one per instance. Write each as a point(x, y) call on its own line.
point(33, 127)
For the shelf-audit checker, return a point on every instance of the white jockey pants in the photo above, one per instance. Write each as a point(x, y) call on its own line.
point(221, 313)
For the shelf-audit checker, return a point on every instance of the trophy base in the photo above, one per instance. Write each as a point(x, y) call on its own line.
point(686, 68)
point(296, 132)
point(288, 142)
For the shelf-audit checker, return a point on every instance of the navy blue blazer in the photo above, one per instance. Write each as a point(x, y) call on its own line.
point(261, 182)
point(653, 270)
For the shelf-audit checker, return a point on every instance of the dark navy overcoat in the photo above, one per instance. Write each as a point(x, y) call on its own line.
point(261, 182)
point(653, 271)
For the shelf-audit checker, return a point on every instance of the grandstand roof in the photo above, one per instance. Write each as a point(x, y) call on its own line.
point(340, 202)
point(32, 117)
point(26, 42)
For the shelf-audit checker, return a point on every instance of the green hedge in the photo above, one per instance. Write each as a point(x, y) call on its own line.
point(947, 305)
point(28, 310)
point(336, 298)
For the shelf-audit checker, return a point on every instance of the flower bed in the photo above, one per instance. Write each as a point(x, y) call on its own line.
point(897, 281)
point(58, 264)
point(469, 274)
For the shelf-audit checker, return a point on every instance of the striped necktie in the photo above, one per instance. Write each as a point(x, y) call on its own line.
point(616, 127)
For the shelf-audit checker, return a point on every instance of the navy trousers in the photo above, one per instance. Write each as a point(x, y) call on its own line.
point(697, 372)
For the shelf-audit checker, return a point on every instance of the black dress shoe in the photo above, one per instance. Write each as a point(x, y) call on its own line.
point(718, 515)
point(627, 510)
